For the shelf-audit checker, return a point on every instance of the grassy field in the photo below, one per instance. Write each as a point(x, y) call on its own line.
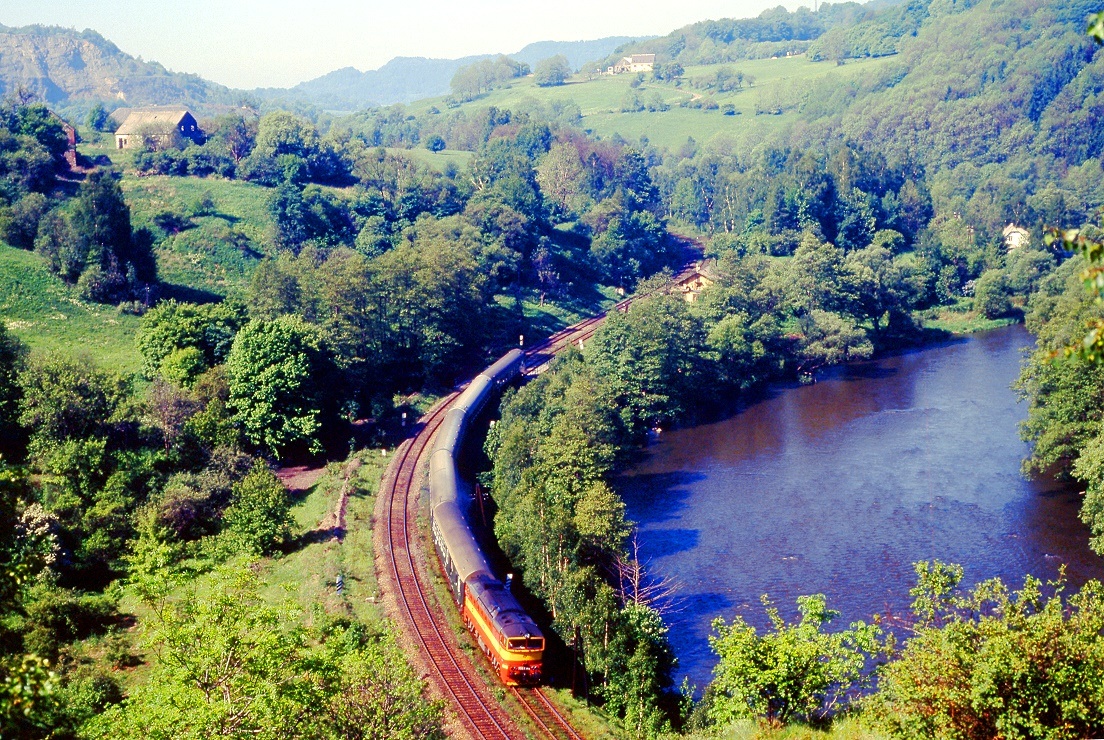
point(217, 253)
point(600, 100)
point(46, 314)
point(310, 570)
point(845, 729)
point(960, 318)
point(437, 160)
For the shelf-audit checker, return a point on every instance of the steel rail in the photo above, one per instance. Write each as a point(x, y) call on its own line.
point(545, 714)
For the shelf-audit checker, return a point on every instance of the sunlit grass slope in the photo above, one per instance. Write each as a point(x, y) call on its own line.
point(46, 314)
point(600, 99)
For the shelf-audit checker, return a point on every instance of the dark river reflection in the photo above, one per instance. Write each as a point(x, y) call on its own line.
point(838, 487)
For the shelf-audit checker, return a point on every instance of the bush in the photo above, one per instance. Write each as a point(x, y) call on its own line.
point(552, 71)
point(56, 616)
point(795, 671)
point(172, 222)
point(997, 663)
point(632, 102)
point(258, 520)
point(21, 226)
point(991, 295)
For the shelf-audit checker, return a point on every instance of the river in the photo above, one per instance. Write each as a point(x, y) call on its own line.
point(838, 487)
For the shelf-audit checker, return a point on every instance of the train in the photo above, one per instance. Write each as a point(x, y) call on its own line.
point(509, 637)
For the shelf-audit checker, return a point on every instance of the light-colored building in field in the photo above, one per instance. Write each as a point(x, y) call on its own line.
point(158, 126)
point(634, 63)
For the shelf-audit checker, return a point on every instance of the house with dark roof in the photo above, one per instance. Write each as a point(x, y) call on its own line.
point(157, 128)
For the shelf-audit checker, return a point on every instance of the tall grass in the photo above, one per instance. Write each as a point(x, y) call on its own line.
point(47, 315)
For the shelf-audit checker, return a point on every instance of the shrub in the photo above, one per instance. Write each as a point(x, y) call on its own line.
point(991, 295)
point(795, 671)
point(997, 663)
point(258, 520)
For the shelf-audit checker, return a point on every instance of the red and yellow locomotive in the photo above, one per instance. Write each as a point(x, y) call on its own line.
point(507, 635)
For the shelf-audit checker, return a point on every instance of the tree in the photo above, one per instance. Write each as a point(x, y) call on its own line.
point(12, 357)
point(1091, 346)
point(278, 371)
point(225, 663)
point(552, 71)
point(228, 664)
point(647, 361)
point(435, 143)
point(95, 246)
point(668, 72)
point(84, 442)
point(381, 698)
point(884, 288)
point(991, 295)
point(258, 519)
point(171, 327)
point(1089, 467)
point(61, 247)
point(796, 671)
point(996, 662)
point(21, 226)
point(235, 133)
point(26, 681)
point(97, 118)
point(290, 216)
point(829, 339)
point(68, 398)
point(561, 177)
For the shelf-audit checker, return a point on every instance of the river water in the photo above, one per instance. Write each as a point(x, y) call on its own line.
point(838, 487)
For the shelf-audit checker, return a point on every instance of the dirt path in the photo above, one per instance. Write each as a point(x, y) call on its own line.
point(300, 479)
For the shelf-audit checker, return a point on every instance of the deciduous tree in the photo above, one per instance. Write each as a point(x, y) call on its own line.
point(278, 371)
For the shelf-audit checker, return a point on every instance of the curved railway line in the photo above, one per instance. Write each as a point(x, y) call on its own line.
point(405, 580)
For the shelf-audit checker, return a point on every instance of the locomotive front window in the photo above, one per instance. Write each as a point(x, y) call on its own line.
point(536, 643)
point(517, 644)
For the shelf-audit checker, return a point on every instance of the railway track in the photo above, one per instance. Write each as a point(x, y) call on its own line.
point(450, 669)
point(545, 715)
point(455, 678)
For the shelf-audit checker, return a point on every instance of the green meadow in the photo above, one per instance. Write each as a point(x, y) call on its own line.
point(776, 82)
point(46, 314)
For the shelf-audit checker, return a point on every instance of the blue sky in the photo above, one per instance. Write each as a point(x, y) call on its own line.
point(278, 43)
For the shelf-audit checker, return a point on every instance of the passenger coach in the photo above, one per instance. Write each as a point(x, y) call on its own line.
point(504, 632)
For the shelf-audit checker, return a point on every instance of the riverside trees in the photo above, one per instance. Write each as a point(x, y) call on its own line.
point(563, 434)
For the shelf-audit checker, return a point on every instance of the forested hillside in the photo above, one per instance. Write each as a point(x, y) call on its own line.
point(406, 79)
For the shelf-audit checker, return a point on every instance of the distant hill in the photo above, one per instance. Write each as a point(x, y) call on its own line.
point(71, 68)
point(578, 53)
point(406, 79)
point(401, 80)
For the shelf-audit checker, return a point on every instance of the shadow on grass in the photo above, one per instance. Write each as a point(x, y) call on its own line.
point(188, 294)
point(228, 218)
point(313, 537)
